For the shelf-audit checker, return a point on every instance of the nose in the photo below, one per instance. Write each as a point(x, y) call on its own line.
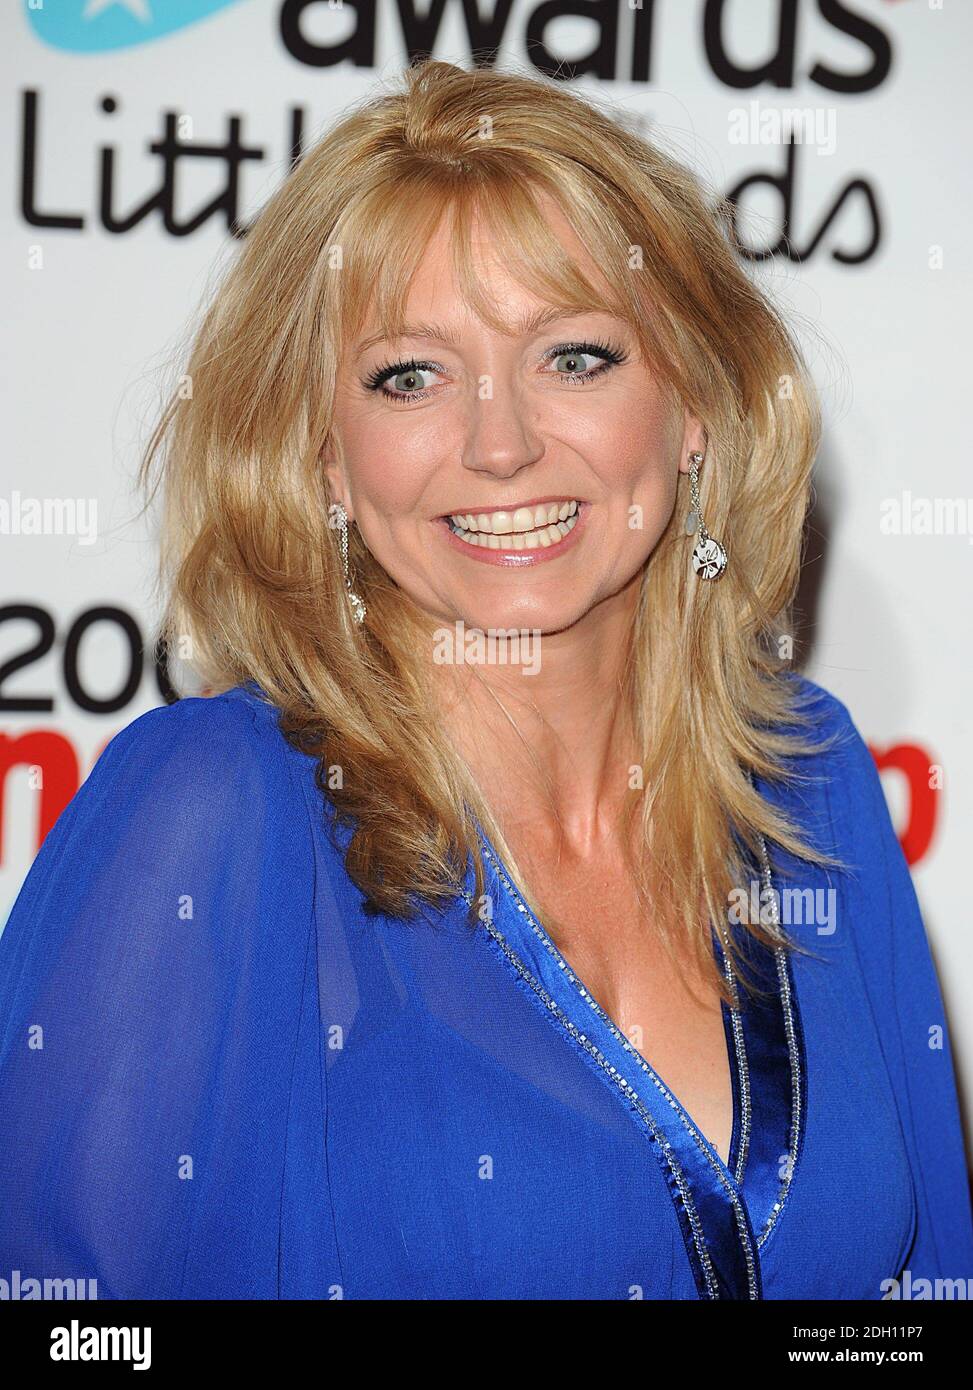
point(501, 439)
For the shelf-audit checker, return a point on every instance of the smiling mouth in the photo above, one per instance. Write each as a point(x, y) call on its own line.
point(541, 526)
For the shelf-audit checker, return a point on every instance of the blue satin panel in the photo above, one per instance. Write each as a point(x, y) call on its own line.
point(250, 1087)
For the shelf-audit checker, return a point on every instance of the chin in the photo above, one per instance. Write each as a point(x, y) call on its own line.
point(527, 615)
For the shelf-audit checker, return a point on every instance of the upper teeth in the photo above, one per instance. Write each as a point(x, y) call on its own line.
point(523, 519)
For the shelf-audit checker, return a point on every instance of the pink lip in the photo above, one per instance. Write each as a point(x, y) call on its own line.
point(516, 559)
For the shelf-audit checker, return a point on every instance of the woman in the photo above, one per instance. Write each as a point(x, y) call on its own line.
point(377, 974)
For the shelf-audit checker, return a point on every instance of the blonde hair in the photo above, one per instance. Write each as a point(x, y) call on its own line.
point(250, 562)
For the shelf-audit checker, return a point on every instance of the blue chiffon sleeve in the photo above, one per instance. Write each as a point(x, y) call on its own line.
point(907, 1005)
point(150, 980)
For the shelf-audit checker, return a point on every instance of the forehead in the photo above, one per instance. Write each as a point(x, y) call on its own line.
point(435, 298)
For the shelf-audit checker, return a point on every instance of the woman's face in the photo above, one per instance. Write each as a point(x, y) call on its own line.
point(560, 419)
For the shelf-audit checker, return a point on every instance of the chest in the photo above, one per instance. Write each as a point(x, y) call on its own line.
point(463, 1124)
point(481, 1138)
point(668, 1009)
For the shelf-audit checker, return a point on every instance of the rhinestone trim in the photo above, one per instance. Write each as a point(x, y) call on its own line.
point(743, 1072)
point(793, 1052)
point(725, 1177)
point(711, 1157)
point(699, 1239)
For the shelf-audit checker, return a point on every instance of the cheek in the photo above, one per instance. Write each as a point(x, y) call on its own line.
point(638, 462)
point(637, 455)
point(389, 462)
point(627, 431)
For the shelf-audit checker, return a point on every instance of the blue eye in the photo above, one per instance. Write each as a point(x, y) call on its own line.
point(410, 378)
point(406, 372)
point(406, 377)
point(573, 352)
point(571, 358)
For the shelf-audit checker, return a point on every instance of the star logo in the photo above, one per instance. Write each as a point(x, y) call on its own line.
point(109, 26)
point(138, 8)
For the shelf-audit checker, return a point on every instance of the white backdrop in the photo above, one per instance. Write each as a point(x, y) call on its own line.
point(874, 274)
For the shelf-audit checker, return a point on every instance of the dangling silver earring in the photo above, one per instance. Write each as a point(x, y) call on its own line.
point(709, 557)
point(357, 604)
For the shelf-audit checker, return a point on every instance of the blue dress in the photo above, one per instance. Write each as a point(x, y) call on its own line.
point(220, 1077)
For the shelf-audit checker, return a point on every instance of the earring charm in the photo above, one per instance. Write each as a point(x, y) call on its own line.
point(357, 603)
point(709, 557)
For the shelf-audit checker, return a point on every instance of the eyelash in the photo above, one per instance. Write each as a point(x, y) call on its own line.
point(613, 356)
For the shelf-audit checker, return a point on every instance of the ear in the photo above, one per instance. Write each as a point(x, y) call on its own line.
point(693, 440)
point(334, 473)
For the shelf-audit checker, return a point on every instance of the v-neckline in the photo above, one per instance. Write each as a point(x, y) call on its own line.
point(714, 1199)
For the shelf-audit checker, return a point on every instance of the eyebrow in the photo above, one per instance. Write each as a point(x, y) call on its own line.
point(529, 323)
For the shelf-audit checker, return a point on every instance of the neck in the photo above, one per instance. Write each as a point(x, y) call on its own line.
point(550, 750)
